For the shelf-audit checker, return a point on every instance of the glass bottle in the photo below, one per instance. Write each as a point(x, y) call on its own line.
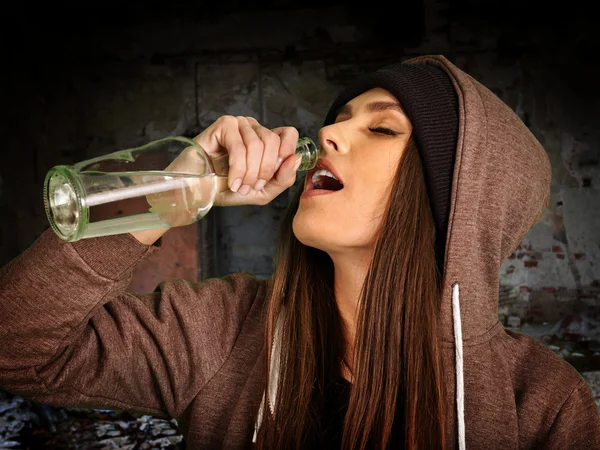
point(167, 183)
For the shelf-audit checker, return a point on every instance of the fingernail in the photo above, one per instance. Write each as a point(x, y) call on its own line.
point(259, 185)
point(236, 184)
point(245, 189)
point(297, 163)
point(278, 165)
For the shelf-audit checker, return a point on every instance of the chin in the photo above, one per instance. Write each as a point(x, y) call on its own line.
point(321, 234)
point(315, 231)
point(307, 231)
point(330, 235)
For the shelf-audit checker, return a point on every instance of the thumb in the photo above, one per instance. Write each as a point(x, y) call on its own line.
point(285, 177)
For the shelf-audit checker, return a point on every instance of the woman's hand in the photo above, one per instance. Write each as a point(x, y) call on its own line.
point(261, 162)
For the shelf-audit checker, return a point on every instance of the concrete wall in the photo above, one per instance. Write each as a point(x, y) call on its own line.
point(80, 90)
point(77, 87)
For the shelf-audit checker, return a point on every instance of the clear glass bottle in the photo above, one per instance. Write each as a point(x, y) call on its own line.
point(167, 183)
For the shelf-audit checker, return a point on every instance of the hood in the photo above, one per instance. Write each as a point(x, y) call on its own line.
point(500, 190)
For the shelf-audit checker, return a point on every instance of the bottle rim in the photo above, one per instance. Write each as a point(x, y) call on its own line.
point(64, 176)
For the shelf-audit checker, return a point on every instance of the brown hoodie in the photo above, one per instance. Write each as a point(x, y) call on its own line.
point(71, 336)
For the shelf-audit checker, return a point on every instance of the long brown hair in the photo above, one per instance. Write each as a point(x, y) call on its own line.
point(397, 373)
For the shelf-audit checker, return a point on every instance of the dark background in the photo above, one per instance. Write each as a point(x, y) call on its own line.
point(82, 81)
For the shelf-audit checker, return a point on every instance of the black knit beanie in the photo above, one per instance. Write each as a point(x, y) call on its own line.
point(430, 101)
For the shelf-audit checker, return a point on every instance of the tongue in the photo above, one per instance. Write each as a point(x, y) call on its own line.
point(329, 184)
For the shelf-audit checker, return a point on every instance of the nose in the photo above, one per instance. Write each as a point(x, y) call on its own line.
point(332, 139)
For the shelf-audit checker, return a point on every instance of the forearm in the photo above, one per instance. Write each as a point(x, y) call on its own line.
point(48, 290)
point(149, 237)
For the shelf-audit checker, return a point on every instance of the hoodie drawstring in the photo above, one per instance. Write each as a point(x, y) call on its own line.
point(273, 373)
point(460, 387)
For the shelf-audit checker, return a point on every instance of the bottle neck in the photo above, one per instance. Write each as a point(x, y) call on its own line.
point(310, 153)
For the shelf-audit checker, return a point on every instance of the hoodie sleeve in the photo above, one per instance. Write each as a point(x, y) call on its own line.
point(71, 336)
point(577, 424)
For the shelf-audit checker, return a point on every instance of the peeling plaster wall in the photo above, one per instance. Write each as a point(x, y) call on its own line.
point(75, 89)
point(129, 84)
point(558, 263)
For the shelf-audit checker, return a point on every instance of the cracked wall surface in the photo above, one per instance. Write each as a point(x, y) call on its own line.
point(125, 85)
point(122, 84)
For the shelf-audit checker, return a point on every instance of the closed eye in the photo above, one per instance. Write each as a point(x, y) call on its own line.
point(383, 130)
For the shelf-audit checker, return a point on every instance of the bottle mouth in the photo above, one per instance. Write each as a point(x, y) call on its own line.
point(62, 203)
point(310, 153)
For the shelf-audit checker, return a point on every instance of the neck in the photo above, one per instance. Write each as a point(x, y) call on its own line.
point(349, 275)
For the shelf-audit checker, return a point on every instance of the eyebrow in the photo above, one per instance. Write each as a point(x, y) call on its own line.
point(374, 107)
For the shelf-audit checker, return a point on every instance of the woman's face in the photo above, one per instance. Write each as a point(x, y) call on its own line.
point(362, 150)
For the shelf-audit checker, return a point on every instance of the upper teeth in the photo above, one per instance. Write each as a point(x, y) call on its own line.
point(322, 172)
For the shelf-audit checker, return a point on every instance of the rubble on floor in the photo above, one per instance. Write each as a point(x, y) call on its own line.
point(27, 425)
point(575, 338)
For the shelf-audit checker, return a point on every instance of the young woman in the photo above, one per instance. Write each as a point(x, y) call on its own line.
point(378, 328)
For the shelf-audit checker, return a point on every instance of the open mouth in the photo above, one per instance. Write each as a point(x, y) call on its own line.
point(323, 179)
